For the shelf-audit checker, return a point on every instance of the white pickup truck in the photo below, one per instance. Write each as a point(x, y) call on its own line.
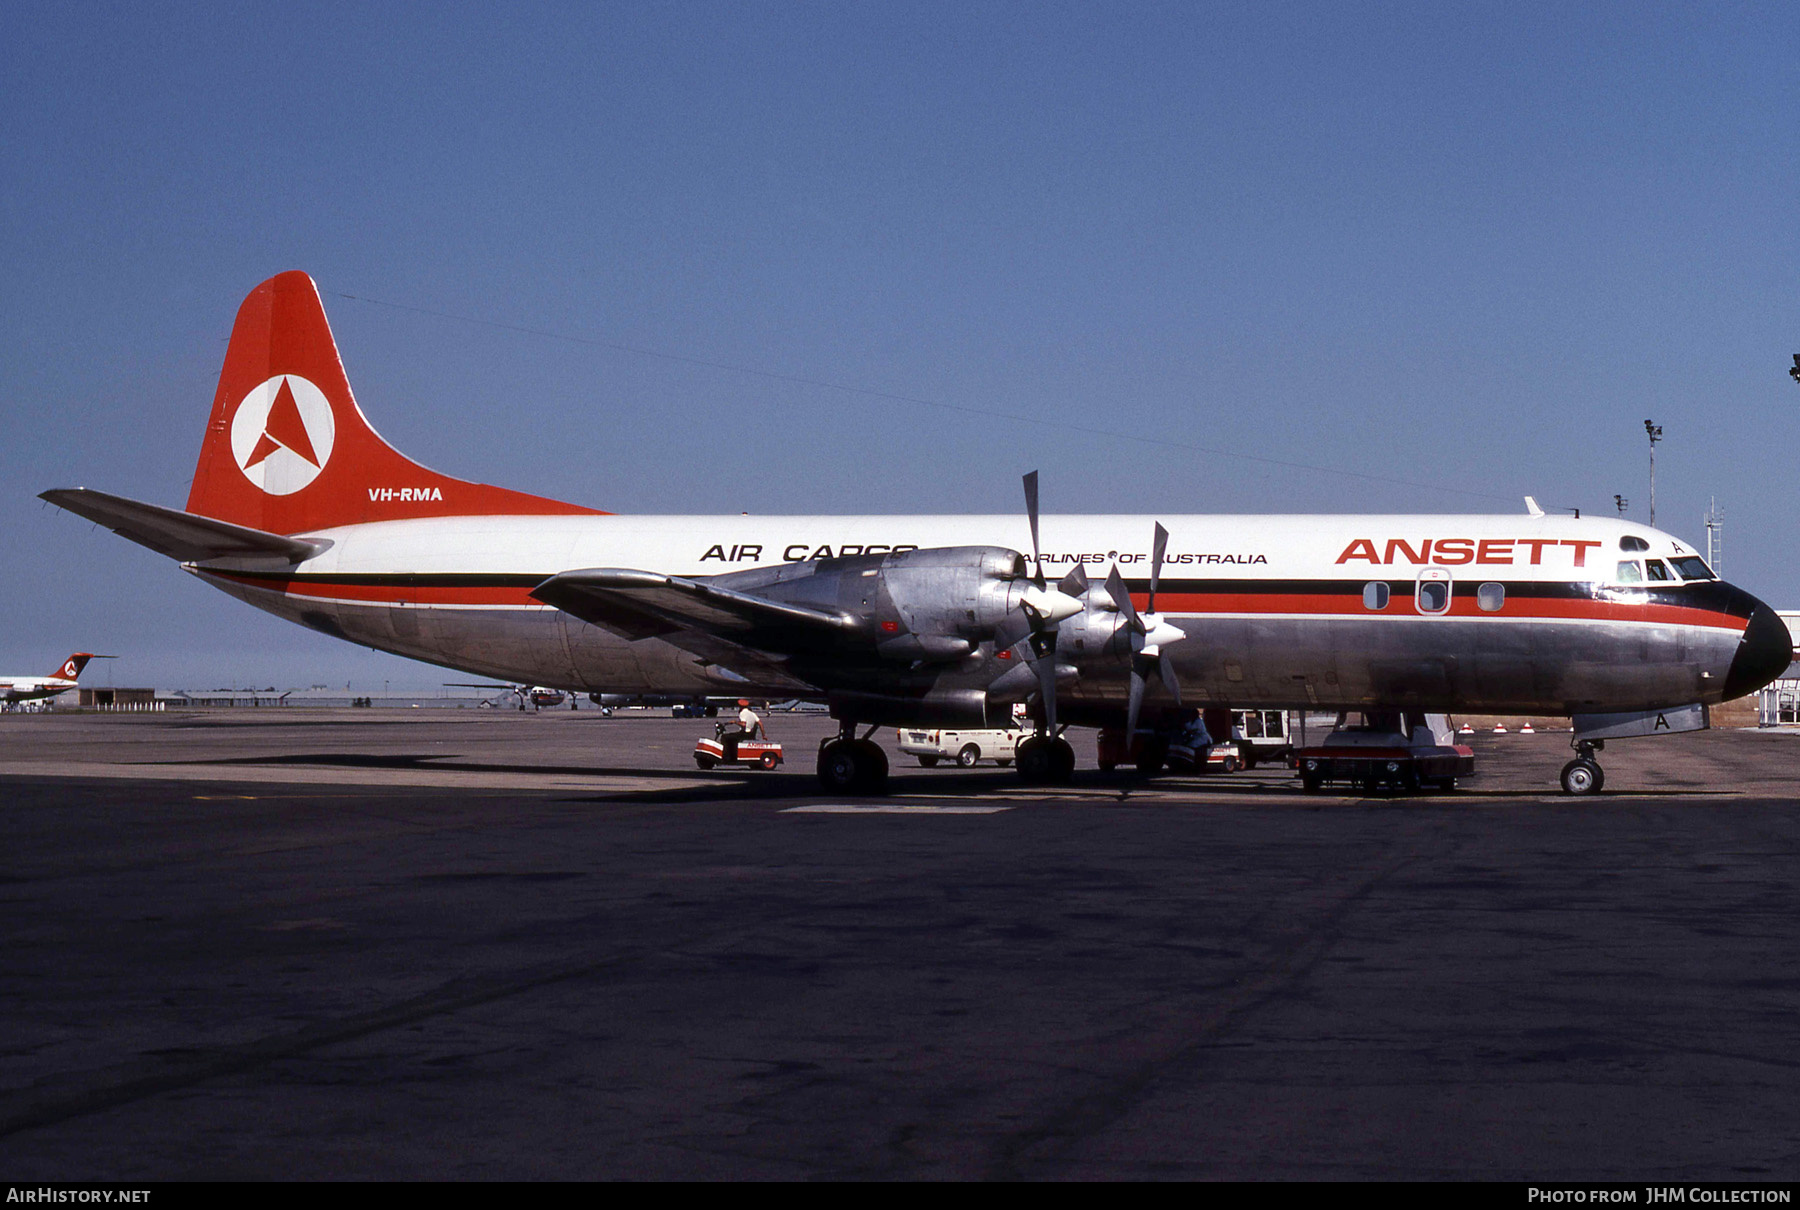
point(963, 747)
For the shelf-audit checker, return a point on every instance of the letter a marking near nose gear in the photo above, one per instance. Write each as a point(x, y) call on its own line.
point(282, 434)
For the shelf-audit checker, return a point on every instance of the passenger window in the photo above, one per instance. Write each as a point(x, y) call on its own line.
point(1630, 572)
point(1434, 596)
point(1657, 570)
point(1491, 597)
point(1375, 595)
point(1630, 543)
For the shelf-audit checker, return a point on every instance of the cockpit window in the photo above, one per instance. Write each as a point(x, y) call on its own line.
point(1630, 543)
point(1657, 569)
point(1692, 568)
point(1630, 572)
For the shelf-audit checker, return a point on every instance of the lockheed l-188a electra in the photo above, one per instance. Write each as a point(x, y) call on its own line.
point(300, 508)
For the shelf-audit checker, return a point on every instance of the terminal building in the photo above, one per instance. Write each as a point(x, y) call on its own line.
point(132, 700)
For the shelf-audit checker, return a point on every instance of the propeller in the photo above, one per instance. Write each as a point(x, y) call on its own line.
point(1146, 632)
point(1044, 607)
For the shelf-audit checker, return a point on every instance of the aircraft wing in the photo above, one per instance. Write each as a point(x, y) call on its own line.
point(184, 536)
point(646, 604)
point(748, 634)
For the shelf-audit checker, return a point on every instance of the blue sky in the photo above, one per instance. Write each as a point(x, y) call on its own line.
point(1416, 258)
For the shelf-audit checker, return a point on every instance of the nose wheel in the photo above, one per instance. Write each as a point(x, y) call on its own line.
point(1583, 775)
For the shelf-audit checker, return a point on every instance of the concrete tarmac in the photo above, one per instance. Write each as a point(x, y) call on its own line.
point(442, 944)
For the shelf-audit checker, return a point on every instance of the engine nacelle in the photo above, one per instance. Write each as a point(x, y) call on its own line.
point(946, 708)
point(936, 605)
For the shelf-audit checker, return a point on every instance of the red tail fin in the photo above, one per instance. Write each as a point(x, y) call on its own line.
point(287, 450)
point(71, 667)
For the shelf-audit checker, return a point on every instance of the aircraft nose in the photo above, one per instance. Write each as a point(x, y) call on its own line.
point(1762, 655)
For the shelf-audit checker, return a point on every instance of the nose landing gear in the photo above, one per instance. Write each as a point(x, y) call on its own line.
point(1583, 775)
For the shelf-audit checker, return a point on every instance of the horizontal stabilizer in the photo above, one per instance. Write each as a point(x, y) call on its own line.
point(183, 536)
point(645, 604)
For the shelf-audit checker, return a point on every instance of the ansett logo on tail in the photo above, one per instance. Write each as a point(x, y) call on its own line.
point(282, 434)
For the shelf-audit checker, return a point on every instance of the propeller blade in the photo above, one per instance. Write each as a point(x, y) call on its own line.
point(1031, 511)
point(1043, 647)
point(1017, 682)
point(1043, 608)
point(1115, 588)
point(1167, 668)
point(1156, 561)
point(1075, 584)
point(1147, 633)
point(1136, 707)
point(1012, 628)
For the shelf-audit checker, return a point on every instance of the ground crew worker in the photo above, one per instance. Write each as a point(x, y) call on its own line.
point(749, 722)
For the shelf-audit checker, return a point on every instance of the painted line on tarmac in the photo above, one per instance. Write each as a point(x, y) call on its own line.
point(892, 808)
point(442, 777)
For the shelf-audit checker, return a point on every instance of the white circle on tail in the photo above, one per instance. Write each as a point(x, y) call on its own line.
point(282, 434)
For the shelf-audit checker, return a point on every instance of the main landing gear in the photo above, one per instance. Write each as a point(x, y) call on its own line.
point(1045, 760)
point(1583, 775)
point(848, 765)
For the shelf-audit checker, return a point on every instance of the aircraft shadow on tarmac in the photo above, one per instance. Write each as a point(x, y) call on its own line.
point(747, 784)
point(1097, 788)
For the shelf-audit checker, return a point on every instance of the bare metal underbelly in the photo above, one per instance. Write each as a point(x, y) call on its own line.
point(1555, 666)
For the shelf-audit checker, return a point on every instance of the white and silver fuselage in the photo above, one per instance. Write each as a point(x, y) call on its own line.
point(1532, 613)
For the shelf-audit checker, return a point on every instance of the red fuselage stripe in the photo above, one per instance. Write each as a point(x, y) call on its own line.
point(1184, 604)
point(390, 594)
point(1461, 606)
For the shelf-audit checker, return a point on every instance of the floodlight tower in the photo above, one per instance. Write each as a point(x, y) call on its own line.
point(1655, 434)
point(1622, 502)
point(1715, 536)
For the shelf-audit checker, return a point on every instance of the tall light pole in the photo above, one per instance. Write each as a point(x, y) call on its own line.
point(1655, 433)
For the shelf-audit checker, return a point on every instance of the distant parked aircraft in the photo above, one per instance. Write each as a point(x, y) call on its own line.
point(540, 696)
point(31, 688)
